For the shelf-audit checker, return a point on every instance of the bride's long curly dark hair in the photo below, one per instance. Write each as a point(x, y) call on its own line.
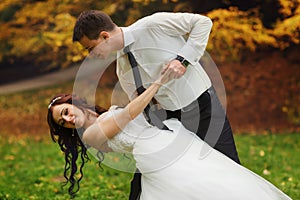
point(70, 141)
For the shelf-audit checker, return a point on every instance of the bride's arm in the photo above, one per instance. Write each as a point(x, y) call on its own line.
point(106, 128)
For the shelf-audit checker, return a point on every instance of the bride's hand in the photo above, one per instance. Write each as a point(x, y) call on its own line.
point(165, 76)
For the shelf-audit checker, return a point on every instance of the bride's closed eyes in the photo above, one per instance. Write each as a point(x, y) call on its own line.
point(64, 112)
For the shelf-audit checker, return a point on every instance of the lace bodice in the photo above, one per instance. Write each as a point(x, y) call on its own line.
point(123, 142)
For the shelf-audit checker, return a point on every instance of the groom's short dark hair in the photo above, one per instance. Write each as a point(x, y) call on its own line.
point(90, 23)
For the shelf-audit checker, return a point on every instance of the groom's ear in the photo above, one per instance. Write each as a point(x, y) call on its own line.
point(104, 34)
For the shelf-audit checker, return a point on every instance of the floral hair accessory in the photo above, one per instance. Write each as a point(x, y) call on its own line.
point(53, 101)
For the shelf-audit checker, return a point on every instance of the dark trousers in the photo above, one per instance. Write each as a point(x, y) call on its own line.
point(207, 118)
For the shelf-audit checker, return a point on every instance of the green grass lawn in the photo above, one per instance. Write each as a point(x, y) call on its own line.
point(32, 169)
point(276, 157)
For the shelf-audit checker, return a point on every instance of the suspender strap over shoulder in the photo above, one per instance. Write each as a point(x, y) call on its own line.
point(140, 89)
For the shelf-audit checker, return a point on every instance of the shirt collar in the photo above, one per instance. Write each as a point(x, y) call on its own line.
point(128, 37)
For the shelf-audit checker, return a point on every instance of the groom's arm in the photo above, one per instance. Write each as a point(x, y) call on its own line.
point(197, 28)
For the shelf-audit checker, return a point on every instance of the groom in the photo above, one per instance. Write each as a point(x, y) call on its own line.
point(169, 43)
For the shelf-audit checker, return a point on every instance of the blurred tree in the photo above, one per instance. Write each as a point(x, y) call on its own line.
point(287, 29)
point(235, 32)
point(40, 32)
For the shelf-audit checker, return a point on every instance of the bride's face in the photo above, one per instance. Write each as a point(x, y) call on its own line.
point(68, 116)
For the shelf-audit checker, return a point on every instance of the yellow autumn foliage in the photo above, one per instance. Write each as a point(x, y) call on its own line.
point(236, 31)
point(287, 7)
point(41, 31)
point(287, 31)
point(5, 3)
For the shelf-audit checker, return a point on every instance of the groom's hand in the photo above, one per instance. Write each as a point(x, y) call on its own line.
point(174, 68)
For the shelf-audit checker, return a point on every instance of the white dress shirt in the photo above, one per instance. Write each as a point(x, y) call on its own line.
point(156, 40)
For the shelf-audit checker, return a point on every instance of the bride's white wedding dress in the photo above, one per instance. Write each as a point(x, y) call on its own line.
point(177, 165)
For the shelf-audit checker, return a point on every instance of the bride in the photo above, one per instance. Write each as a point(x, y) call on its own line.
point(171, 162)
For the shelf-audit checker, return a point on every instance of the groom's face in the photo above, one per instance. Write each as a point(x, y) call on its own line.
point(97, 47)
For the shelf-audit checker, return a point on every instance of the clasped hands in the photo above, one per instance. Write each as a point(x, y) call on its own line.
point(172, 70)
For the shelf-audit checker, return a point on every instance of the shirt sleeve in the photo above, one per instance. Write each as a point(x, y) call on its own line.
point(197, 28)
